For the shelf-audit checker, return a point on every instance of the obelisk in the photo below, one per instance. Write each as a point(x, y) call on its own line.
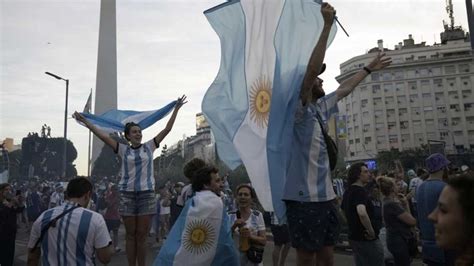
point(106, 83)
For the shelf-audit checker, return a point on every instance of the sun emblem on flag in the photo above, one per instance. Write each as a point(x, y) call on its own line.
point(260, 99)
point(199, 236)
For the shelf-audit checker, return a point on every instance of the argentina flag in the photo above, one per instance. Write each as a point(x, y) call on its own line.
point(200, 236)
point(115, 120)
point(265, 48)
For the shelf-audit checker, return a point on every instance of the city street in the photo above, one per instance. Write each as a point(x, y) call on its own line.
point(342, 258)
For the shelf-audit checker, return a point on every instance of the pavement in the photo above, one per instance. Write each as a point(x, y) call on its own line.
point(342, 257)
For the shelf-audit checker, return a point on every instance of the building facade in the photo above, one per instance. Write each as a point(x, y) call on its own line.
point(425, 96)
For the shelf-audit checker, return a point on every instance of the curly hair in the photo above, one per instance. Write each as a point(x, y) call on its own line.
point(192, 166)
point(354, 172)
point(202, 177)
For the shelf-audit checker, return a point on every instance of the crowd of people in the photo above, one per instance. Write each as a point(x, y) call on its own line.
point(389, 223)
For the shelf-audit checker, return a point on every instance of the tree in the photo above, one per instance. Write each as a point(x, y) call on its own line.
point(45, 156)
point(410, 158)
point(108, 163)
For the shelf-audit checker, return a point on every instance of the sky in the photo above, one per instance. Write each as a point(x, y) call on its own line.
point(165, 48)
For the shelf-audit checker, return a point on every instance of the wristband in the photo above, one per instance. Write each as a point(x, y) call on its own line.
point(367, 69)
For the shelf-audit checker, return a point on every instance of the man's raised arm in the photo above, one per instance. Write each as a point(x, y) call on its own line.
point(317, 56)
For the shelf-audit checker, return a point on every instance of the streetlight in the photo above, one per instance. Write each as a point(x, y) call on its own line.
point(65, 120)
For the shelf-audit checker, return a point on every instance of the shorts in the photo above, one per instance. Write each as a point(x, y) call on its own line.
point(312, 225)
point(137, 203)
point(280, 234)
point(112, 225)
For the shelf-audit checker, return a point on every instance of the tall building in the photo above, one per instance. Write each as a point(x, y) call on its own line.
point(425, 96)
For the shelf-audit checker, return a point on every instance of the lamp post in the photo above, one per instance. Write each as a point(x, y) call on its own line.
point(65, 121)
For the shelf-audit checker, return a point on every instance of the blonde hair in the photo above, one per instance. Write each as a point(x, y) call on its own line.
point(386, 185)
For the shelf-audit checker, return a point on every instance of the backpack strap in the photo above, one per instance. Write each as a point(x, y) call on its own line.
point(53, 224)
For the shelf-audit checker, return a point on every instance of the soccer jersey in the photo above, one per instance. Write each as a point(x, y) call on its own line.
point(74, 238)
point(137, 166)
point(309, 177)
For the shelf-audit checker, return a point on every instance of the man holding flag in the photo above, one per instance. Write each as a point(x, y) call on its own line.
point(311, 213)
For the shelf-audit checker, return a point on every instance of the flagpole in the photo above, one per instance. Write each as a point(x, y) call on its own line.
point(89, 151)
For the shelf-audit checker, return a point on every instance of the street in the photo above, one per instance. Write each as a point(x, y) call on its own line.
point(341, 258)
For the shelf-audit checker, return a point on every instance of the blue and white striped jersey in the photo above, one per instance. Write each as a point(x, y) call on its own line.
point(308, 177)
point(74, 238)
point(137, 166)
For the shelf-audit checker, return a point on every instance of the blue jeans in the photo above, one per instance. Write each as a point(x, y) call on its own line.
point(137, 203)
point(368, 253)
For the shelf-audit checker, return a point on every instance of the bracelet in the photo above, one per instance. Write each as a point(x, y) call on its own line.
point(367, 69)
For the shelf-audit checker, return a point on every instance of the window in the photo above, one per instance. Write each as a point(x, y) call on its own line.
point(468, 106)
point(455, 121)
point(427, 108)
point(388, 87)
point(421, 57)
point(387, 76)
point(389, 100)
point(415, 110)
point(393, 139)
point(466, 83)
point(379, 126)
point(438, 82)
point(453, 95)
point(412, 85)
point(451, 82)
point(413, 98)
point(398, 75)
point(391, 125)
point(450, 70)
point(441, 109)
point(439, 96)
point(402, 111)
point(443, 122)
point(426, 96)
point(375, 76)
point(357, 140)
point(364, 103)
point(454, 107)
point(416, 123)
point(423, 72)
point(378, 101)
point(375, 88)
point(436, 71)
point(429, 122)
point(404, 124)
point(401, 99)
point(367, 140)
point(464, 68)
point(390, 112)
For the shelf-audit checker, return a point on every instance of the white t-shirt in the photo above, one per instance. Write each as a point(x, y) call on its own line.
point(57, 199)
point(163, 209)
point(186, 193)
point(74, 238)
point(414, 184)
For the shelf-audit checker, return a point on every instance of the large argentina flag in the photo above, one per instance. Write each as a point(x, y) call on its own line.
point(265, 48)
point(115, 120)
point(201, 235)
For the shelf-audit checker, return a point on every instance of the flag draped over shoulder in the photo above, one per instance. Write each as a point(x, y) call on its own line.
point(115, 120)
point(201, 235)
point(265, 46)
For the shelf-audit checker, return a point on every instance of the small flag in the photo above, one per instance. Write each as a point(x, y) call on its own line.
point(88, 106)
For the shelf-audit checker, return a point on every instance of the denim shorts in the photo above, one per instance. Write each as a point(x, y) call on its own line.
point(137, 203)
point(312, 225)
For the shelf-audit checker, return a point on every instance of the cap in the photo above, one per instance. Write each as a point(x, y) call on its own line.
point(436, 162)
point(58, 185)
point(411, 173)
point(179, 184)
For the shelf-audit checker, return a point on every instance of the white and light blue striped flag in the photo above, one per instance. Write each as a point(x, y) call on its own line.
point(250, 106)
point(201, 235)
point(115, 120)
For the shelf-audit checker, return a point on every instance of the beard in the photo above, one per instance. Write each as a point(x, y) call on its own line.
point(318, 93)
